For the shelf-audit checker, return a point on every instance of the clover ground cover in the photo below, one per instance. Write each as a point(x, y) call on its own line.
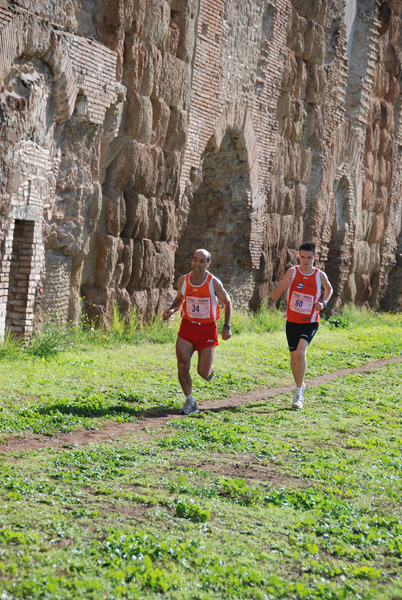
point(91, 380)
point(254, 502)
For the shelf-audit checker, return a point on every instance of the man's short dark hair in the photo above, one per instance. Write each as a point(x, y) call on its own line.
point(308, 247)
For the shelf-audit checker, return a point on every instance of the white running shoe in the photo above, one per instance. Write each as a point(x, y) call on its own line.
point(297, 401)
point(190, 408)
point(298, 398)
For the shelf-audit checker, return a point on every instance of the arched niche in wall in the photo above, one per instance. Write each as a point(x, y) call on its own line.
point(357, 49)
point(362, 50)
point(392, 299)
point(219, 217)
point(340, 245)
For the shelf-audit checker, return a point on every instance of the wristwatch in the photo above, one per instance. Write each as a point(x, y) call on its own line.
point(324, 303)
point(227, 326)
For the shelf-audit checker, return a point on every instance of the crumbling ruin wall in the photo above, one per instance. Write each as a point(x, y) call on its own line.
point(57, 88)
point(134, 131)
point(339, 151)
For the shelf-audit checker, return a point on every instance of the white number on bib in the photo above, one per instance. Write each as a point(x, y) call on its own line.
point(301, 303)
point(199, 308)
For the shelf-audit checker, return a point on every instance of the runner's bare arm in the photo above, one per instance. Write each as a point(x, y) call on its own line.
point(327, 292)
point(224, 297)
point(283, 284)
point(177, 302)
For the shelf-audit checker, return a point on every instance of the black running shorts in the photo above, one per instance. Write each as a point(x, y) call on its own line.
point(299, 331)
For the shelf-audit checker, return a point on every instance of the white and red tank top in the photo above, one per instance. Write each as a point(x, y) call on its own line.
point(200, 303)
point(303, 293)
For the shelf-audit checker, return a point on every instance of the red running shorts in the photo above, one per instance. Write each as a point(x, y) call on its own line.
point(201, 335)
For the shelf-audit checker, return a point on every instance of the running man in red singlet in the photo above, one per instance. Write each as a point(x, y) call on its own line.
point(304, 284)
point(198, 295)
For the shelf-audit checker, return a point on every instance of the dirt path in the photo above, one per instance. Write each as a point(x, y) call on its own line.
point(156, 418)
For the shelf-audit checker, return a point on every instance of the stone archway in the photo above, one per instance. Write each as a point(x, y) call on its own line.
point(219, 218)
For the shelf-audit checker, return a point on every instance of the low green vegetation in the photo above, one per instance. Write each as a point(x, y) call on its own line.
point(249, 501)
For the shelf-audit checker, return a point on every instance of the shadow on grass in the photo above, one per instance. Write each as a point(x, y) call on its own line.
point(89, 411)
point(154, 412)
point(157, 412)
point(218, 409)
point(167, 411)
point(269, 410)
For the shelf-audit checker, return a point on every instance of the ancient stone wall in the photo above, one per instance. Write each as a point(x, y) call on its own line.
point(133, 131)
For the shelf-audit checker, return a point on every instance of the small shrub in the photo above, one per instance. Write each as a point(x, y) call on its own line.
point(11, 347)
point(360, 316)
point(188, 510)
point(137, 331)
point(161, 332)
point(355, 316)
point(48, 342)
point(338, 321)
point(262, 321)
point(119, 325)
point(237, 491)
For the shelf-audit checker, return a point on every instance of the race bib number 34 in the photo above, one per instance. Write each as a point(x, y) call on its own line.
point(199, 308)
point(301, 303)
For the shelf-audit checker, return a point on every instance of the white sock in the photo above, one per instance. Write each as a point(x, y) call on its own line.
point(189, 397)
point(300, 389)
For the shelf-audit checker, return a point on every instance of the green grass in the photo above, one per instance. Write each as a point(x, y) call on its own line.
point(71, 378)
point(253, 502)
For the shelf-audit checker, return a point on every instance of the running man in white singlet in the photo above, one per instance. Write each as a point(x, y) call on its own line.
point(305, 284)
point(198, 296)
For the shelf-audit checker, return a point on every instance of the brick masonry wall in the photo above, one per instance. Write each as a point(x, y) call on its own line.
point(132, 130)
point(20, 293)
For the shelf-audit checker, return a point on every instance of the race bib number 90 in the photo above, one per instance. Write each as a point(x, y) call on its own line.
point(199, 308)
point(301, 303)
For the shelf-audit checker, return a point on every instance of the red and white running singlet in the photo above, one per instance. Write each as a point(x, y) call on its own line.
point(303, 293)
point(200, 302)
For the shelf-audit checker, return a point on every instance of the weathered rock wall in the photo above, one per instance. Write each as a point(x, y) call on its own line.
point(134, 131)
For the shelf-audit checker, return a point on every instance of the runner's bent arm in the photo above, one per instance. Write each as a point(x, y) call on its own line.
point(177, 302)
point(224, 297)
point(327, 291)
point(283, 284)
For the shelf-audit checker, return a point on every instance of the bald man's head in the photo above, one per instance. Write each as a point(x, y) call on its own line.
point(205, 253)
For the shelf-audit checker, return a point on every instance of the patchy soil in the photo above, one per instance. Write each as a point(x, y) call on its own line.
point(159, 416)
point(244, 466)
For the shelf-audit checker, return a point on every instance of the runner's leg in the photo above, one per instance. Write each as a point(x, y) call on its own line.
point(206, 361)
point(184, 352)
point(298, 362)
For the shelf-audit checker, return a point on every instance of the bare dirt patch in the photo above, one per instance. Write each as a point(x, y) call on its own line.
point(157, 417)
point(244, 466)
point(135, 512)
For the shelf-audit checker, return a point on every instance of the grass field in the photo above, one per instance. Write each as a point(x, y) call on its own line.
point(255, 501)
